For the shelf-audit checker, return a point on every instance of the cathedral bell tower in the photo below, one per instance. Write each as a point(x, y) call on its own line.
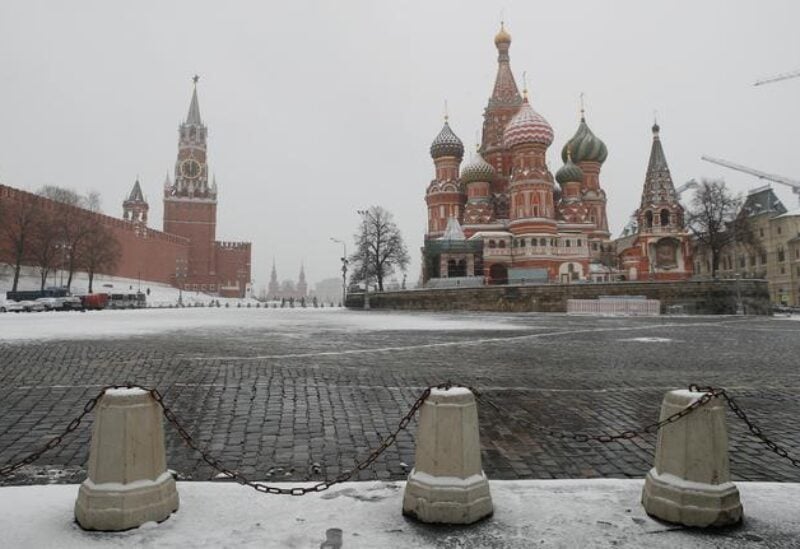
point(190, 203)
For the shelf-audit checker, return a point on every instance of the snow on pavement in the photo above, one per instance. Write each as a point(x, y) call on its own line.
point(558, 513)
point(125, 323)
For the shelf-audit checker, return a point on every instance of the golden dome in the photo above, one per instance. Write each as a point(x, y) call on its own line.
point(502, 37)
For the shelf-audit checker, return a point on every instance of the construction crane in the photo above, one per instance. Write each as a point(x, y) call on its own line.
point(778, 78)
point(793, 183)
point(691, 184)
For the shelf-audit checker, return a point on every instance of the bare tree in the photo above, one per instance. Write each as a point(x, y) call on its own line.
point(379, 247)
point(45, 245)
point(60, 194)
point(717, 221)
point(100, 252)
point(19, 221)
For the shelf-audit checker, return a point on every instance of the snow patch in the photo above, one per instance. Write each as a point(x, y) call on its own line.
point(128, 486)
point(648, 339)
point(125, 392)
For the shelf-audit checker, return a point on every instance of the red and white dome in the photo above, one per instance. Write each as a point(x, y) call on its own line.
point(528, 126)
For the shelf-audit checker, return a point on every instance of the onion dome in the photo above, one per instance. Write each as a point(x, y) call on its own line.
point(585, 146)
point(502, 37)
point(528, 126)
point(447, 143)
point(569, 172)
point(477, 169)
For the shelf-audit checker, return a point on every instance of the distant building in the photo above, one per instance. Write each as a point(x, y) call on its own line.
point(329, 290)
point(287, 289)
point(776, 255)
point(655, 244)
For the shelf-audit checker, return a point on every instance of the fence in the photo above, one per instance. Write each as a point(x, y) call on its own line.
point(614, 306)
point(689, 483)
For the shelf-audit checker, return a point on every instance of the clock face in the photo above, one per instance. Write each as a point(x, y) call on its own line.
point(190, 169)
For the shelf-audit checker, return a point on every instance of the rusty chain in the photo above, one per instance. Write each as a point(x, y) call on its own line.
point(709, 393)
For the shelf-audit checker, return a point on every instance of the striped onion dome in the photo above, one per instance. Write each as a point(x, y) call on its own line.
point(528, 126)
point(477, 170)
point(585, 146)
point(447, 144)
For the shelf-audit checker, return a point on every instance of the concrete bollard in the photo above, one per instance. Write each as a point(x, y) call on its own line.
point(128, 483)
point(690, 482)
point(447, 484)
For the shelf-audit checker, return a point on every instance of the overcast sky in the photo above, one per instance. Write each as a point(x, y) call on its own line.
point(317, 109)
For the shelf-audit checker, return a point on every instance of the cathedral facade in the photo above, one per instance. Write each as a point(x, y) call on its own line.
point(502, 216)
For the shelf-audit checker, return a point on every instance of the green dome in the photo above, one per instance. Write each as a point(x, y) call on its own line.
point(585, 146)
point(477, 170)
point(569, 172)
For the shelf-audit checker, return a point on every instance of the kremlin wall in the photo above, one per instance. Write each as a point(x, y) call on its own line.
point(186, 253)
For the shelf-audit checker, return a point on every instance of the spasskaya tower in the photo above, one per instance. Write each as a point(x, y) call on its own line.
point(190, 203)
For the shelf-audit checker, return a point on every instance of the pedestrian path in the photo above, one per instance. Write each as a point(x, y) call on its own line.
point(538, 513)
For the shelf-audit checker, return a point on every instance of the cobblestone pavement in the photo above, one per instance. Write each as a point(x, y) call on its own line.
point(276, 402)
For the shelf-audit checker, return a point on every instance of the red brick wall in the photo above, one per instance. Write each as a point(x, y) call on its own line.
point(233, 267)
point(146, 253)
point(195, 220)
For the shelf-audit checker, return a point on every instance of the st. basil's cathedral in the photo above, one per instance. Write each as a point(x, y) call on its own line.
point(501, 217)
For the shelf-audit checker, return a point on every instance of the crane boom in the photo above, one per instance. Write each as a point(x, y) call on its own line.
point(759, 174)
point(778, 78)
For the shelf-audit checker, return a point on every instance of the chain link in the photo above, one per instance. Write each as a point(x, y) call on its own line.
point(709, 393)
point(7, 470)
point(708, 396)
point(754, 429)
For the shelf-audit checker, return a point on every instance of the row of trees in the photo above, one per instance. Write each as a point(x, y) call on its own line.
point(53, 238)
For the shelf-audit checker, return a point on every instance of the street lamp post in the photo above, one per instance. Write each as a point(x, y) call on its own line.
point(180, 276)
point(344, 269)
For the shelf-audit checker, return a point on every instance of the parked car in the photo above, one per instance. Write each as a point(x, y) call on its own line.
point(52, 303)
point(94, 302)
point(32, 306)
point(72, 303)
point(13, 307)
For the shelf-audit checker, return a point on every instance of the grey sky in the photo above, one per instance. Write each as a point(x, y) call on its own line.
point(316, 109)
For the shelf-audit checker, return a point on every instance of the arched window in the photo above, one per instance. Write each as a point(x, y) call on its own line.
point(542, 242)
point(492, 244)
point(648, 219)
point(522, 242)
point(568, 243)
point(579, 243)
point(664, 217)
point(502, 244)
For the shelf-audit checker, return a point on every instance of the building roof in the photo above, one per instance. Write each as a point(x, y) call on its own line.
point(505, 92)
point(447, 143)
point(658, 186)
point(453, 231)
point(585, 145)
point(763, 200)
point(528, 126)
point(193, 118)
point(136, 193)
point(477, 170)
point(569, 172)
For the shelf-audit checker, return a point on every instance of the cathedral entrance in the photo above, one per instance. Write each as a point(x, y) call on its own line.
point(498, 274)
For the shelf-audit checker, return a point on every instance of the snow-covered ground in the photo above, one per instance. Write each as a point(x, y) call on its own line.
point(558, 513)
point(125, 323)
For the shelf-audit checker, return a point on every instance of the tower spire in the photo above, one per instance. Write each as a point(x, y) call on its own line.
point(193, 117)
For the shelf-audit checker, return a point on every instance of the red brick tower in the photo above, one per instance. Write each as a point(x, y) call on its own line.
point(190, 204)
point(503, 105)
point(135, 207)
point(445, 195)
